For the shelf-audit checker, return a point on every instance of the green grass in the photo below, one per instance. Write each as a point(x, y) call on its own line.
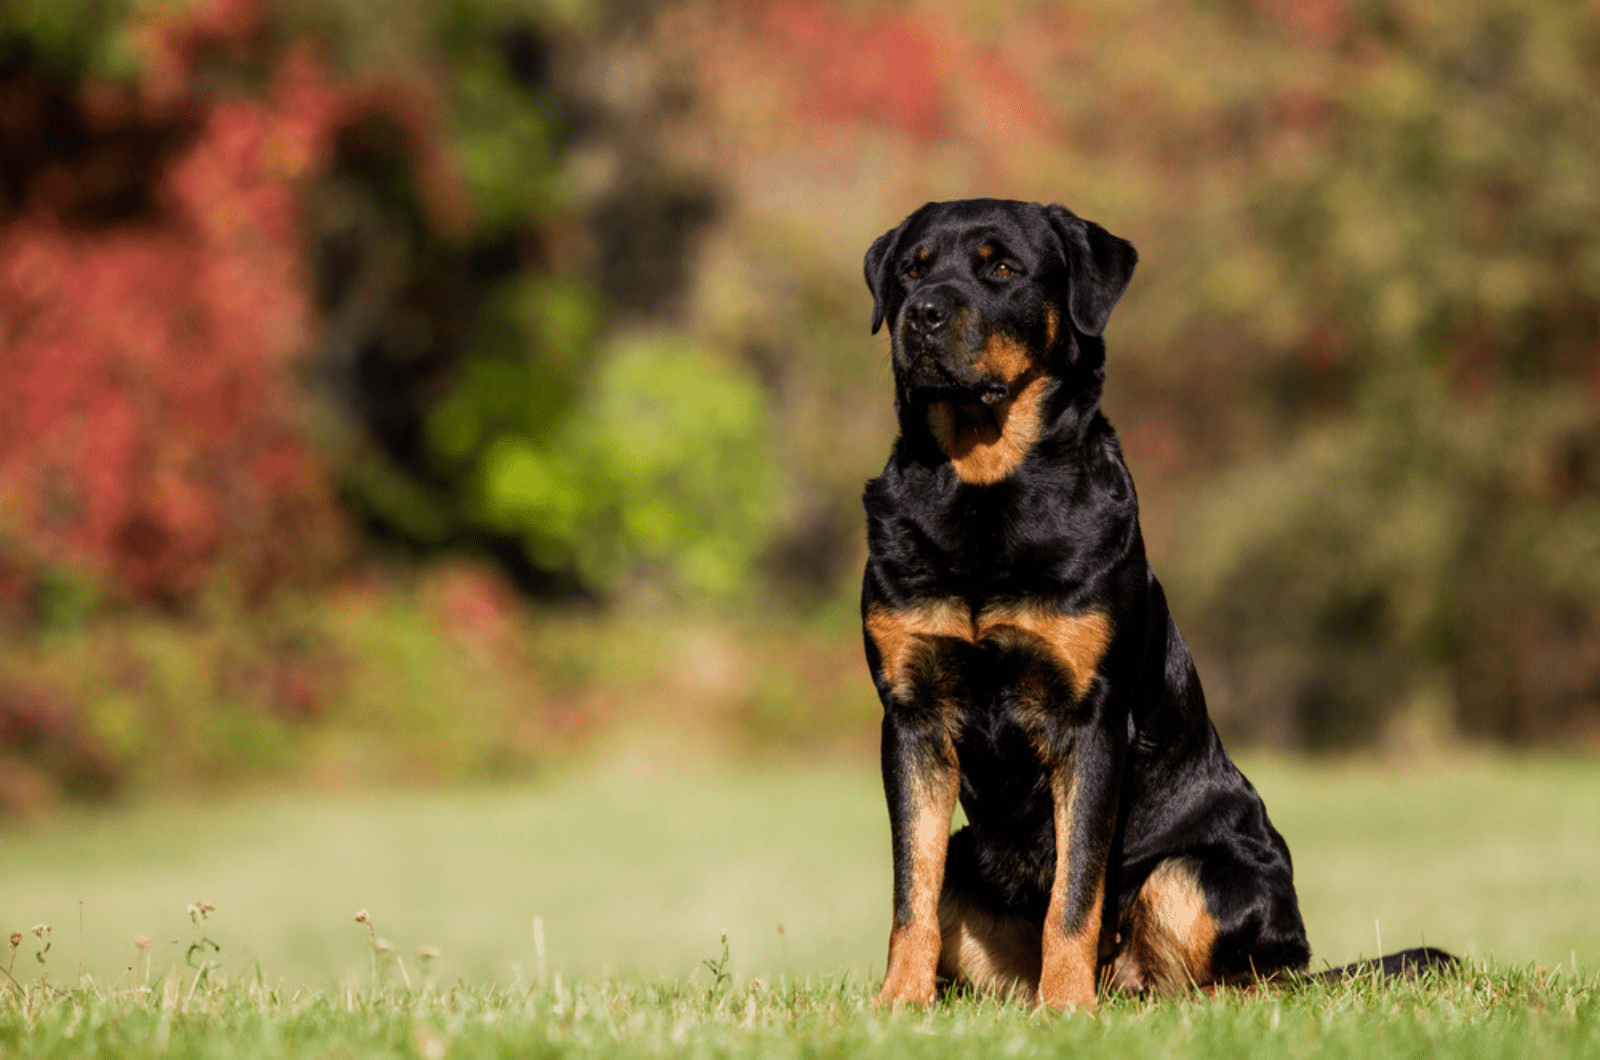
point(639, 873)
point(1476, 1013)
point(636, 874)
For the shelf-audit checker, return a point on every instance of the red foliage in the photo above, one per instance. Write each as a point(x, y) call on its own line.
point(918, 72)
point(1317, 21)
point(475, 605)
point(153, 429)
point(886, 69)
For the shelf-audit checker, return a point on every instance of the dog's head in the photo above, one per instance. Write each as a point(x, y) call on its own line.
point(981, 294)
point(990, 303)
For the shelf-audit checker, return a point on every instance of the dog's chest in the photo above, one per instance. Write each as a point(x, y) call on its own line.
point(1004, 668)
point(995, 551)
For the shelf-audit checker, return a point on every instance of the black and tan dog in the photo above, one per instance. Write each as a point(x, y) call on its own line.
point(1024, 653)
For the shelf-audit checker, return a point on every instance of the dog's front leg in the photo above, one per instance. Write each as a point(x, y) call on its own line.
point(921, 779)
point(1084, 791)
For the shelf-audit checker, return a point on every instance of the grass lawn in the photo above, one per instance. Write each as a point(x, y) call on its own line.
point(639, 874)
point(1500, 1013)
point(636, 875)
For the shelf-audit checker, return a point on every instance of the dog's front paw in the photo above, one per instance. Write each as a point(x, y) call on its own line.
point(913, 964)
point(1067, 989)
point(902, 990)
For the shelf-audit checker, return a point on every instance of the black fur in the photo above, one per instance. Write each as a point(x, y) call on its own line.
point(1059, 531)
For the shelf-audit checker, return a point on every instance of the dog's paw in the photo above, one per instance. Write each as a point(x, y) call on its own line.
point(1066, 993)
point(906, 990)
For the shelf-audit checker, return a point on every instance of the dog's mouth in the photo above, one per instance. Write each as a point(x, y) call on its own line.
point(964, 364)
point(945, 364)
point(990, 392)
point(940, 382)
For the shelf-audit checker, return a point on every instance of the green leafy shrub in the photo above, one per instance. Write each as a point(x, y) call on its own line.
point(666, 465)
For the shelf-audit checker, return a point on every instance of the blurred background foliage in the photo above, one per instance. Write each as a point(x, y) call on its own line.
point(404, 388)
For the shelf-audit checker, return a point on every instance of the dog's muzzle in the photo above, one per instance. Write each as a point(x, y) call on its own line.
point(941, 342)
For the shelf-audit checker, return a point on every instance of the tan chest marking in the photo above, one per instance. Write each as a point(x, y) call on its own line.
point(1076, 643)
point(898, 635)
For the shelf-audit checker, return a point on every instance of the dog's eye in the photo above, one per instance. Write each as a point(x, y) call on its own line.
point(913, 271)
point(1001, 271)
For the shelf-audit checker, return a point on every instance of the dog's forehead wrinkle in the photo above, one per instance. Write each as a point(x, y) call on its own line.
point(955, 232)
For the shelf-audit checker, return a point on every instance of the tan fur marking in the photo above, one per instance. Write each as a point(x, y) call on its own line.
point(995, 953)
point(1067, 976)
point(923, 253)
point(1005, 359)
point(986, 251)
point(1077, 642)
point(1052, 326)
point(914, 945)
point(1170, 935)
point(986, 443)
point(998, 953)
point(896, 633)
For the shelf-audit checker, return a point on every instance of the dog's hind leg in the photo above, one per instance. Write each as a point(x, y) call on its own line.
point(1208, 918)
point(995, 952)
point(989, 948)
point(1168, 934)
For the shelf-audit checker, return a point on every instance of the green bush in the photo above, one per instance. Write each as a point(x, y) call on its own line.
point(665, 466)
point(1417, 574)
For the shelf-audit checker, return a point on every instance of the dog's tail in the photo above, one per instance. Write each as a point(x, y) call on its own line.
point(1405, 962)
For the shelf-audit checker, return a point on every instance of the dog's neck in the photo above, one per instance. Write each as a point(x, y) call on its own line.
point(987, 443)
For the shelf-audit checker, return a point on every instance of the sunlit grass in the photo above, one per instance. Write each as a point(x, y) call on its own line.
point(637, 873)
point(1492, 1011)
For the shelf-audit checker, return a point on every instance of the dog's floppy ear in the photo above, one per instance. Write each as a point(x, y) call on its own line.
point(1100, 266)
point(880, 259)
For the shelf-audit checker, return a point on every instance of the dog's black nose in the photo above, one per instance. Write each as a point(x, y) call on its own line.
point(927, 314)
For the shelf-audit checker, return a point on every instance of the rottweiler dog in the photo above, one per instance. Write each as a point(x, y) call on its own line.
point(1025, 656)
